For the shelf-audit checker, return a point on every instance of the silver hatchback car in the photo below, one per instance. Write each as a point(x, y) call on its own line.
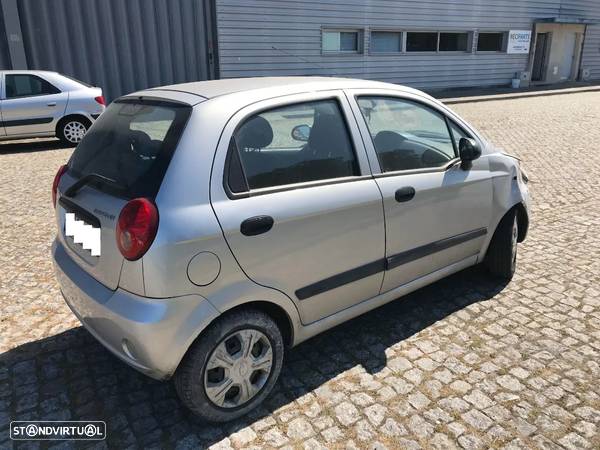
point(205, 227)
point(36, 103)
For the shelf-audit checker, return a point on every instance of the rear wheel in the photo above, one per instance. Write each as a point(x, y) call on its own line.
point(232, 368)
point(501, 258)
point(72, 129)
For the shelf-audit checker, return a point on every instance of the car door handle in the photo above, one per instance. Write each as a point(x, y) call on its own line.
point(52, 104)
point(405, 194)
point(256, 225)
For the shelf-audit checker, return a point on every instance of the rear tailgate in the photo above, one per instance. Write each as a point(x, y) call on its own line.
point(123, 156)
point(99, 210)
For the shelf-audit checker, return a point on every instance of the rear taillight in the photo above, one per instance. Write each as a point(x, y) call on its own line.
point(59, 174)
point(100, 99)
point(136, 228)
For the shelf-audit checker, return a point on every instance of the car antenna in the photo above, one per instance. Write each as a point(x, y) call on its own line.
point(303, 59)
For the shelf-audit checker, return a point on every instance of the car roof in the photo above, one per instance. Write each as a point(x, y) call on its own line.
point(289, 85)
point(8, 72)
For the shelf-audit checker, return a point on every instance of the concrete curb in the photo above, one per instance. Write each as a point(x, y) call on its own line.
point(516, 95)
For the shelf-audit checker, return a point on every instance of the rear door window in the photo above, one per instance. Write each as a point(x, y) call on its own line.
point(131, 144)
point(292, 144)
point(28, 86)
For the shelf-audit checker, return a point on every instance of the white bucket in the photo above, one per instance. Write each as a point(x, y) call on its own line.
point(516, 83)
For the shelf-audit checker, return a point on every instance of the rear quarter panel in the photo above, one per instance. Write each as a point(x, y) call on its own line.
point(188, 225)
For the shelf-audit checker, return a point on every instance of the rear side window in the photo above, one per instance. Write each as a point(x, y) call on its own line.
point(131, 144)
point(28, 86)
point(293, 144)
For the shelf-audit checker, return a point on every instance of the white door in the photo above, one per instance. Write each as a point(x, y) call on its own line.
point(31, 105)
point(568, 55)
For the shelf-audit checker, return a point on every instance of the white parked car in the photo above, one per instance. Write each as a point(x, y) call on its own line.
point(35, 103)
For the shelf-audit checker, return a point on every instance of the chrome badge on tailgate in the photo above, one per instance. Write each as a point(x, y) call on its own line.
point(82, 233)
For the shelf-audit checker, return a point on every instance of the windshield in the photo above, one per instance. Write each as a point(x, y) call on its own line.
point(131, 143)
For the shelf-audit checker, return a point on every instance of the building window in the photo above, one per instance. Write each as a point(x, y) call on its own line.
point(386, 42)
point(421, 42)
point(453, 42)
point(491, 42)
point(341, 41)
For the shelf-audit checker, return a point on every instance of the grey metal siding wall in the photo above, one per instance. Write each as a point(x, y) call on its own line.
point(5, 62)
point(268, 37)
point(248, 31)
point(587, 9)
point(119, 45)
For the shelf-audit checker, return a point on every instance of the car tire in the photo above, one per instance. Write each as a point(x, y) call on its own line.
point(501, 257)
point(71, 130)
point(215, 389)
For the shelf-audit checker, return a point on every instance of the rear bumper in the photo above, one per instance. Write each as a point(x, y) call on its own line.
point(151, 335)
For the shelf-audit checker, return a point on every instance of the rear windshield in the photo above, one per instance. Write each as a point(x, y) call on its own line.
point(77, 81)
point(131, 144)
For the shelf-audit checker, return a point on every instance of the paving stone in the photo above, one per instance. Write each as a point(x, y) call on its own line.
point(347, 413)
point(470, 442)
point(418, 400)
point(574, 441)
point(375, 414)
point(477, 419)
point(479, 399)
point(299, 429)
point(392, 428)
point(332, 434)
point(274, 437)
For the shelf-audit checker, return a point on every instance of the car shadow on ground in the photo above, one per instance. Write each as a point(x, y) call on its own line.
point(71, 377)
point(32, 146)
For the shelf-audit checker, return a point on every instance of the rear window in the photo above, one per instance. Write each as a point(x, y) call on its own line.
point(131, 144)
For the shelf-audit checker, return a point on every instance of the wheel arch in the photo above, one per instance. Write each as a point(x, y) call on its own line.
point(273, 310)
point(71, 116)
point(522, 222)
point(277, 312)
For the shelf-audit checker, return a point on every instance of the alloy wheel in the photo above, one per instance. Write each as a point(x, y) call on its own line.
point(74, 131)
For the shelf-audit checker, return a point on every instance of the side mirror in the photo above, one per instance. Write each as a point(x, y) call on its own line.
point(301, 133)
point(469, 150)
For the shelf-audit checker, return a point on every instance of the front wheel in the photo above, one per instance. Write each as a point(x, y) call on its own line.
point(501, 257)
point(72, 130)
point(233, 366)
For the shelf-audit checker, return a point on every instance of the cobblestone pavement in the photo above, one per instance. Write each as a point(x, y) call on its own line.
point(462, 363)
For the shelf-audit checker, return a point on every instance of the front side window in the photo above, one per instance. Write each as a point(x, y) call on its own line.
point(458, 133)
point(27, 86)
point(341, 41)
point(421, 42)
point(407, 135)
point(292, 144)
point(490, 42)
point(386, 42)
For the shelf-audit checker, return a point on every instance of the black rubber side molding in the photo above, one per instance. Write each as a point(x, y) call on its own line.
point(405, 194)
point(341, 279)
point(256, 225)
point(429, 249)
point(21, 122)
point(388, 263)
